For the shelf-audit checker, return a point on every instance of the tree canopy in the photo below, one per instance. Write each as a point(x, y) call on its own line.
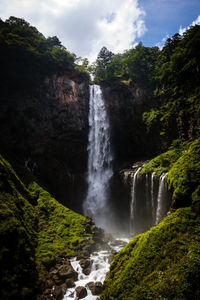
point(26, 55)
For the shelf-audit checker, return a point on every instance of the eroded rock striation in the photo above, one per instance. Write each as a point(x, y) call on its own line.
point(47, 127)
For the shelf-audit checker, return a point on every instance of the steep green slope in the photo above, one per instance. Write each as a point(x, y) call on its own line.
point(35, 232)
point(182, 161)
point(163, 263)
point(18, 235)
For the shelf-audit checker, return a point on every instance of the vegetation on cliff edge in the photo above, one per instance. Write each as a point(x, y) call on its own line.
point(182, 162)
point(163, 263)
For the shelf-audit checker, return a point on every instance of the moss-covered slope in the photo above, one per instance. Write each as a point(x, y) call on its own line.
point(35, 231)
point(182, 162)
point(163, 263)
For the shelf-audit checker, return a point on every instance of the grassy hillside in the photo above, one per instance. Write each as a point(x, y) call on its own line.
point(35, 232)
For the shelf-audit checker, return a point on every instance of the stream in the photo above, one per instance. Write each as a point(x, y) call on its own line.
point(100, 266)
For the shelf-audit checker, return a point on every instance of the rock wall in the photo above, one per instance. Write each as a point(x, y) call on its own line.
point(126, 105)
point(47, 129)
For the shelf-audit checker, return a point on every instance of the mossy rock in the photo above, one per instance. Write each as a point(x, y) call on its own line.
point(36, 232)
point(164, 162)
point(184, 176)
point(163, 263)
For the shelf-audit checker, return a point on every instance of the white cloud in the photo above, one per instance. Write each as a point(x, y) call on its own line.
point(162, 43)
point(83, 26)
point(195, 22)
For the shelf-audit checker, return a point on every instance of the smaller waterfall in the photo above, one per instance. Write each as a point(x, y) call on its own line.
point(133, 200)
point(150, 201)
point(162, 198)
point(153, 204)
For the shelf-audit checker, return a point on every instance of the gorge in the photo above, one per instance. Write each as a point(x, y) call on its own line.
point(120, 151)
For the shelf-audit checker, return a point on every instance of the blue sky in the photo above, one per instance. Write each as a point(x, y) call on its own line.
point(85, 26)
point(164, 17)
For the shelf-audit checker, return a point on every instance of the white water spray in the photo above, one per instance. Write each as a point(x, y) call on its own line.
point(99, 160)
point(133, 200)
point(162, 192)
point(153, 208)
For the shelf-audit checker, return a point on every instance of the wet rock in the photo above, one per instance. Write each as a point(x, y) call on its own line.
point(70, 282)
point(86, 271)
point(86, 266)
point(49, 283)
point(90, 284)
point(58, 292)
point(85, 263)
point(68, 272)
point(81, 292)
point(95, 287)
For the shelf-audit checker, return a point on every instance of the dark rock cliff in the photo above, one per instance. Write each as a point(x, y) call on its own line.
point(128, 132)
point(47, 128)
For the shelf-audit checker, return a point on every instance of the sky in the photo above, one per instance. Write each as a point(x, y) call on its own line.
point(85, 26)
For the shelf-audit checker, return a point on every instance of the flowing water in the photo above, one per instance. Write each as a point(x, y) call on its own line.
point(133, 200)
point(100, 266)
point(149, 201)
point(162, 198)
point(99, 160)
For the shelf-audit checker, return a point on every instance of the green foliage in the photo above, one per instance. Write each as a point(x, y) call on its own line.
point(164, 162)
point(163, 263)
point(177, 88)
point(18, 226)
point(62, 231)
point(26, 56)
point(184, 176)
point(35, 231)
point(135, 65)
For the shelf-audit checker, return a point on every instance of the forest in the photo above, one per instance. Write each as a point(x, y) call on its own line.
point(152, 100)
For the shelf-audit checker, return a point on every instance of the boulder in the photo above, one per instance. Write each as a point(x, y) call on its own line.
point(95, 287)
point(68, 272)
point(86, 271)
point(81, 292)
point(85, 263)
point(70, 282)
point(57, 292)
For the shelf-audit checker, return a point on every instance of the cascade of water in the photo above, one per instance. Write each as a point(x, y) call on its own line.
point(162, 194)
point(99, 159)
point(133, 200)
point(153, 208)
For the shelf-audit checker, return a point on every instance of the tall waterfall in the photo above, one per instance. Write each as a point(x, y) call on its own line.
point(99, 160)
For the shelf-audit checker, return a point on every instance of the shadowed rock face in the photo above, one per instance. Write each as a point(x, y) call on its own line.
point(126, 105)
point(48, 128)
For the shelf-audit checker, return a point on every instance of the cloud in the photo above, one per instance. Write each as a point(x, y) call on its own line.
point(83, 26)
point(162, 43)
point(195, 22)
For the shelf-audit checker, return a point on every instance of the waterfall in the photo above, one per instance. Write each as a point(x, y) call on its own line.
point(153, 207)
point(149, 201)
point(162, 198)
point(99, 160)
point(133, 200)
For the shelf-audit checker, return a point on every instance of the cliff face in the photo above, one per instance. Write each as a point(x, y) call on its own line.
point(126, 105)
point(47, 128)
